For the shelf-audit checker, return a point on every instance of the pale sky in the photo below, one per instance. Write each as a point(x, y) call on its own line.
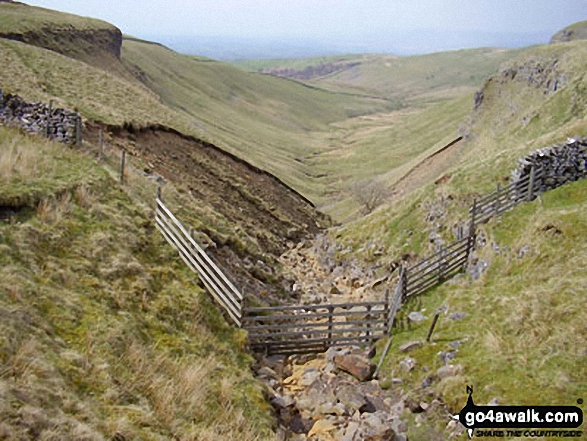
point(362, 22)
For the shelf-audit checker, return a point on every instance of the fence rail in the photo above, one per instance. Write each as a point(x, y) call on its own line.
point(222, 289)
point(313, 328)
point(503, 199)
point(435, 269)
point(292, 329)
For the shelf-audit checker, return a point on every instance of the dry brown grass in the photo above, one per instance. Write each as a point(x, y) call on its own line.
point(52, 210)
point(18, 159)
point(100, 332)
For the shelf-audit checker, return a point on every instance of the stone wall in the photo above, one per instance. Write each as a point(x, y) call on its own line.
point(561, 164)
point(33, 118)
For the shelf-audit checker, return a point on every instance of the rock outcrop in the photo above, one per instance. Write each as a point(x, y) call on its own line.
point(577, 31)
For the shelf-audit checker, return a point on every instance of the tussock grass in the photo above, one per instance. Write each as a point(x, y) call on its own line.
point(103, 331)
point(28, 177)
point(523, 337)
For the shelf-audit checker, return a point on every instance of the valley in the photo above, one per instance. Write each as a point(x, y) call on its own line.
point(308, 181)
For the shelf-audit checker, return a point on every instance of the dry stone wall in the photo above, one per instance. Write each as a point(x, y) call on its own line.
point(561, 164)
point(34, 117)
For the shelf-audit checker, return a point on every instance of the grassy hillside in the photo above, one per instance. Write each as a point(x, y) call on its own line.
point(105, 334)
point(39, 74)
point(576, 31)
point(297, 64)
point(515, 116)
point(522, 339)
point(421, 78)
point(380, 149)
point(92, 41)
point(20, 18)
point(522, 332)
point(269, 121)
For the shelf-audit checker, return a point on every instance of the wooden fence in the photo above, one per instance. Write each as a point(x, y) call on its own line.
point(437, 268)
point(222, 289)
point(314, 328)
point(503, 199)
point(291, 329)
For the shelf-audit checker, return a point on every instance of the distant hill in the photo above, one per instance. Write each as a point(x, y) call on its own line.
point(421, 77)
point(525, 302)
point(576, 31)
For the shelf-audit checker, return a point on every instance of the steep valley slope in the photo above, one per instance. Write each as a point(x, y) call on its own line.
point(122, 343)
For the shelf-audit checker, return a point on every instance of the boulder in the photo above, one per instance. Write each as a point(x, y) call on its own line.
point(322, 429)
point(416, 316)
point(376, 427)
point(410, 346)
point(351, 397)
point(407, 363)
point(450, 370)
point(358, 366)
point(281, 402)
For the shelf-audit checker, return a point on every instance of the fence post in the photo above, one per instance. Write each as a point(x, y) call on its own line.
point(48, 122)
point(78, 131)
point(440, 264)
point(404, 283)
point(531, 183)
point(330, 311)
point(431, 330)
point(122, 165)
point(368, 317)
point(101, 144)
point(472, 223)
point(243, 307)
point(159, 193)
point(497, 199)
point(389, 308)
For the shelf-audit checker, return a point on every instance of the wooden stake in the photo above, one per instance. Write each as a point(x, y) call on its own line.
point(122, 165)
point(497, 199)
point(432, 326)
point(531, 183)
point(78, 131)
point(101, 144)
point(472, 224)
point(330, 310)
point(383, 355)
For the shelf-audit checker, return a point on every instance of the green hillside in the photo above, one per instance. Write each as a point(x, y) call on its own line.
point(269, 121)
point(18, 18)
point(421, 78)
point(89, 40)
point(523, 324)
point(381, 149)
point(39, 74)
point(104, 332)
point(576, 31)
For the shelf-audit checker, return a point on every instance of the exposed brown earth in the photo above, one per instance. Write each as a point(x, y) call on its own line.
point(254, 202)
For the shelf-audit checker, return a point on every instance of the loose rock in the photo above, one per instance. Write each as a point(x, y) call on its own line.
point(358, 366)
